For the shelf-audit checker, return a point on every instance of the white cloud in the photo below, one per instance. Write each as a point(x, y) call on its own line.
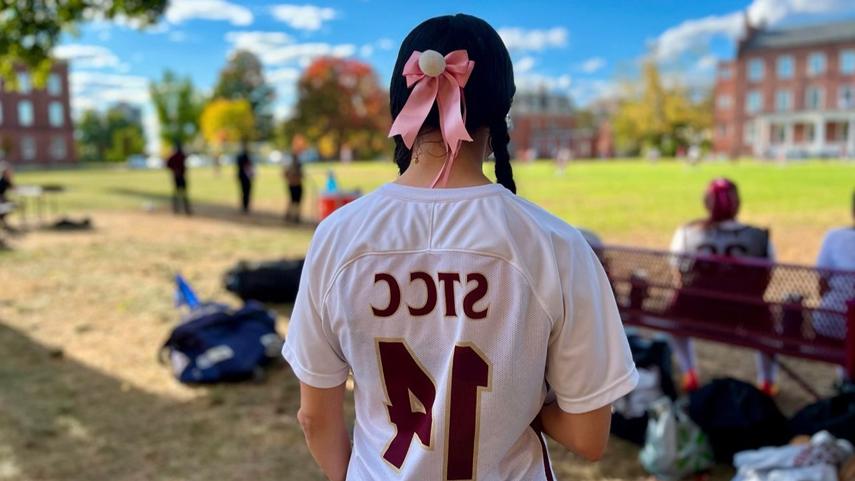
point(535, 81)
point(386, 43)
point(366, 50)
point(303, 17)
point(693, 35)
point(592, 64)
point(584, 91)
point(89, 56)
point(257, 41)
point(524, 65)
point(520, 39)
point(183, 10)
point(286, 74)
point(177, 36)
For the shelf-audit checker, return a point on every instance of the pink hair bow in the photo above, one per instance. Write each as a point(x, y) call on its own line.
point(442, 80)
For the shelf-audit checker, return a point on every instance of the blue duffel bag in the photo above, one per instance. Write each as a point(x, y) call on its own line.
point(218, 344)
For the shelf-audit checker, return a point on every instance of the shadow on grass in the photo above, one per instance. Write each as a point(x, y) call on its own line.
point(63, 420)
point(220, 212)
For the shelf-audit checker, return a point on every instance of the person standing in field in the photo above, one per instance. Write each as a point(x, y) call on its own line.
point(294, 179)
point(720, 234)
point(6, 185)
point(471, 320)
point(177, 164)
point(245, 175)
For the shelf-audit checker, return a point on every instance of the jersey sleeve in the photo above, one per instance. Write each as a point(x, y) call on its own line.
point(589, 364)
point(311, 348)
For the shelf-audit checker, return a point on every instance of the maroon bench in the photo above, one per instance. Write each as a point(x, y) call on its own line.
point(791, 310)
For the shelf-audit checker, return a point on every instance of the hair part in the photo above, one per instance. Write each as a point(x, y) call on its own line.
point(488, 93)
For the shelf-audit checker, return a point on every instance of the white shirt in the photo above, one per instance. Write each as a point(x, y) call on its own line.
point(453, 309)
point(837, 253)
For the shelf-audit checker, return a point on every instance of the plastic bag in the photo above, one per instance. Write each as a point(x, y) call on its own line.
point(675, 446)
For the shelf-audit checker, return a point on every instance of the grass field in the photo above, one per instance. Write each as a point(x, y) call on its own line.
point(82, 315)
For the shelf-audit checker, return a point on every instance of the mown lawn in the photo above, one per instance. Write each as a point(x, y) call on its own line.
point(82, 315)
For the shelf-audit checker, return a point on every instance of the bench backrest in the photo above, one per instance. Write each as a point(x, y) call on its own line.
point(786, 308)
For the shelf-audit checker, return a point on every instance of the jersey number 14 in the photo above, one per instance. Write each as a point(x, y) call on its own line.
point(411, 393)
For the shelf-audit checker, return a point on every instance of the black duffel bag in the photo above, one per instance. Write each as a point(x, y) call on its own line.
point(835, 415)
point(269, 282)
point(736, 417)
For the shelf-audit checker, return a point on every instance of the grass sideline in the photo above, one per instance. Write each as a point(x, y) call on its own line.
point(82, 315)
point(626, 202)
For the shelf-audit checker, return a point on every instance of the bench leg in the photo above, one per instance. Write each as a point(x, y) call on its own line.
point(850, 342)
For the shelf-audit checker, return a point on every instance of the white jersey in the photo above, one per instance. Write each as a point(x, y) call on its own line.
point(455, 310)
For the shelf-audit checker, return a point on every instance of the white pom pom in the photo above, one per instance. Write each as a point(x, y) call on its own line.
point(432, 63)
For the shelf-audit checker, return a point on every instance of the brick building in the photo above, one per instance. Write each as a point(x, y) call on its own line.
point(35, 124)
point(788, 93)
point(545, 123)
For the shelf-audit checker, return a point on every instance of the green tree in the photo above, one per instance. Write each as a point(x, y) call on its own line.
point(178, 106)
point(340, 102)
point(243, 79)
point(29, 29)
point(112, 136)
point(657, 116)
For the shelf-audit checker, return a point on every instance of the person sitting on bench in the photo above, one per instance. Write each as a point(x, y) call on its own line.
point(721, 235)
point(837, 253)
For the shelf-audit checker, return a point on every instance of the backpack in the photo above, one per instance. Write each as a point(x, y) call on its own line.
point(737, 417)
point(674, 446)
point(275, 281)
point(835, 415)
point(218, 344)
point(653, 361)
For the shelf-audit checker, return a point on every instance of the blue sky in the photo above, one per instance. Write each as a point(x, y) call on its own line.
point(575, 47)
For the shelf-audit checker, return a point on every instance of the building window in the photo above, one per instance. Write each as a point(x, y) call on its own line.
point(846, 97)
point(783, 100)
point(816, 63)
point(753, 102)
point(725, 73)
point(56, 114)
point(54, 84)
point(847, 62)
point(25, 85)
point(813, 98)
point(25, 113)
point(28, 148)
point(724, 101)
point(755, 69)
point(722, 130)
point(57, 147)
point(810, 133)
point(785, 66)
point(1, 113)
point(748, 133)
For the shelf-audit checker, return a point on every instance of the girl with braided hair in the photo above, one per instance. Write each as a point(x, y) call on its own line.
point(471, 321)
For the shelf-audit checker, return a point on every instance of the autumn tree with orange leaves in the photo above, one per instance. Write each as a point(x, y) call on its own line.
point(340, 103)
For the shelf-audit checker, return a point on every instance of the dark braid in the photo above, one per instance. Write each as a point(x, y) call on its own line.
point(499, 140)
point(402, 154)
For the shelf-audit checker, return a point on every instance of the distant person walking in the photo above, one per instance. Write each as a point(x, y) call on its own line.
point(720, 234)
point(5, 186)
point(294, 179)
point(245, 173)
point(177, 164)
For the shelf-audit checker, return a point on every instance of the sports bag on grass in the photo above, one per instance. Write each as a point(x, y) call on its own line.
point(218, 344)
point(275, 281)
point(675, 446)
point(835, 415)
point(736, 416)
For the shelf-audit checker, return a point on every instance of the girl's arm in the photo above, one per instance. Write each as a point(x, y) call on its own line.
point(321, 416)
point(585, 434)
